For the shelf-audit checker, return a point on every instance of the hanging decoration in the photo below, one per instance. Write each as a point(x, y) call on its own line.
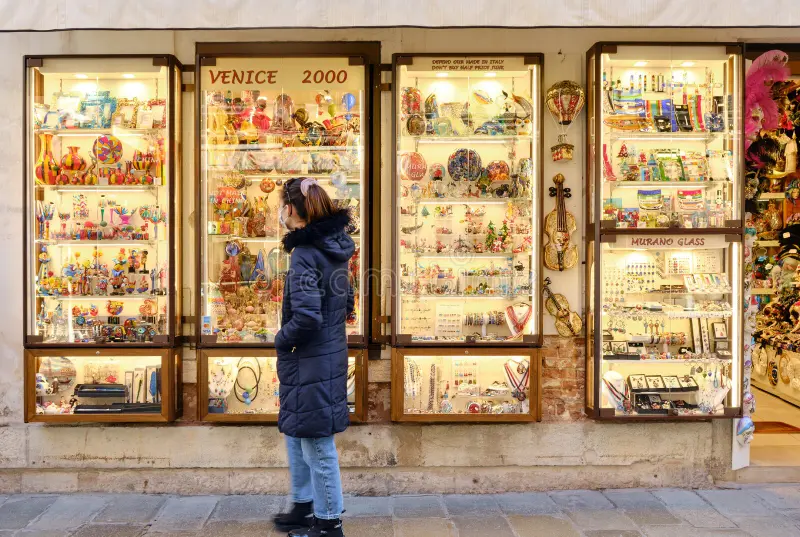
point(565, 101)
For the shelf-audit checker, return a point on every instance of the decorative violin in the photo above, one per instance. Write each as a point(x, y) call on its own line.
point(568, 323)
point(559, 253)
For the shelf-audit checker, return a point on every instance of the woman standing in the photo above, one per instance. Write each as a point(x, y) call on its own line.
point(312, 355)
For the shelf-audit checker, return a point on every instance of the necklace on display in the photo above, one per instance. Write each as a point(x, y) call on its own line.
point(431, 387)
point(622, 398)
point(516, 324)
point(412, 379)
point(518, 384)
point(249, 394)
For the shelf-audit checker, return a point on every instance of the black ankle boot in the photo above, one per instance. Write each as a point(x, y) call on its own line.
point(320, 528)
point(300, 517)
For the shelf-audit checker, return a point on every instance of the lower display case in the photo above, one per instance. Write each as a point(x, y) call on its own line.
point(242, 385)
point(102, 385)
point(466, 385)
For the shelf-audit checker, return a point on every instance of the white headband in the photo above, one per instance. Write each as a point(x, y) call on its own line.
point(305, 183)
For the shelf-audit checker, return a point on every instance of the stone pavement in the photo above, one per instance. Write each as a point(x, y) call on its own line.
point(764, 510)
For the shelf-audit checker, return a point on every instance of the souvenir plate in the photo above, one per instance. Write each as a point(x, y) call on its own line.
point(464, 164)
point(497, 170)
point(412, 166)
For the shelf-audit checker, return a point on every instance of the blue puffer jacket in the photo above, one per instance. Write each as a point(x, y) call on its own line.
point(312, 341)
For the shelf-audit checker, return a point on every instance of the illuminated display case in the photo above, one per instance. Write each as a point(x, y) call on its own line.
point(242, 385)
point(467, 220)
point(102, 385)
point(664, 232)
point(102, 184)
point(268, 112)
point(467, 228)
point(473, 385)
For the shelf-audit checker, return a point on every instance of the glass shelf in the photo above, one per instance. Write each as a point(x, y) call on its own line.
point(667, 184)
point(705, 137)
point(481, 139)
point(116, 131)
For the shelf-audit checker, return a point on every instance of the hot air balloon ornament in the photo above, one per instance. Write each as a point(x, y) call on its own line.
point(565, 101)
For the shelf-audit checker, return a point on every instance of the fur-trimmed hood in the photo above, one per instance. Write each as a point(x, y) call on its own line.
point(326, 234)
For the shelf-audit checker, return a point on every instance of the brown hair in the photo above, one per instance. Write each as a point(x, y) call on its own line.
point(313, 206)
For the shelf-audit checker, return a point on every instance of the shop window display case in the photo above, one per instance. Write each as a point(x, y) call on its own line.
point(102, 385)
point(269, 112)
point(467, 385)
point(102, 185)
point(467, 228)
point(664, 248)
point(243, 385)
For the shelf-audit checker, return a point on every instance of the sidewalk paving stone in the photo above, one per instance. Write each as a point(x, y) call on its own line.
point(605, 519)
point(365, 527)
point(418, 507)
point(17, 512)
point(612, 533)
point(583, 500)
point(787, 497)
point(109, 530)
point(248, 507)
point(527, 503)
point(540, 525)
point(736, 502)
point(483, 526)
point(366, 506)
point(130, 509)
point(235, 528)
point(69, 511)
point(184, 514)
point(471, 505)
point(690, 507)
point(776, 525)
point(641, 507)
point(424, 527)
point(669, 531)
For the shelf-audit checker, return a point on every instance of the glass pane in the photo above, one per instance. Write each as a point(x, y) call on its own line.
point(466, 385)
point(669, 141)
point(118, 385)
point(467, 199)
point(249, 385)
point(98, 201)
point(591, 106)
point(264, 121)
point(668, 327)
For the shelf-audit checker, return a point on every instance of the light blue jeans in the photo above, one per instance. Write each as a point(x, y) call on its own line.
point(314, 469)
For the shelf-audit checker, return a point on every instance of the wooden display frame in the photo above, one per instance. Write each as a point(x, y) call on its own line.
point(203, 355)
point(360, 53)
point(173, 175)
point(397, 387)
point(528, 341)
point(171, 385)
point(595, 234)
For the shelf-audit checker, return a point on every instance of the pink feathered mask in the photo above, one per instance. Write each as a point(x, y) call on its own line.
point(760, 110)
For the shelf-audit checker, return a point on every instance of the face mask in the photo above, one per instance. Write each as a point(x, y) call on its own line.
point(281, 219)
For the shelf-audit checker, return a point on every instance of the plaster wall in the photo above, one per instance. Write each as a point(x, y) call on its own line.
point(564, 451)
